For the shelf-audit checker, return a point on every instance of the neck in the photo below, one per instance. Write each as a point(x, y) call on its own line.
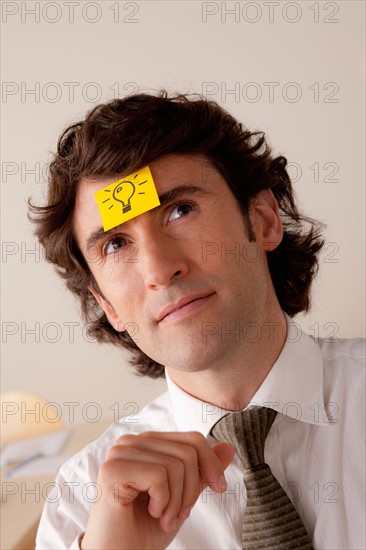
point(231, 383)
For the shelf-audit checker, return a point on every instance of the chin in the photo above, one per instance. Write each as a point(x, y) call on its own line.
point(194, 358)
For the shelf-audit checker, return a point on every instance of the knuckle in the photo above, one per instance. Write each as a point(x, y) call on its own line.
point(144, 435)
point(111, 454)
point(125, 439)
point(197, 438)
point(119, 452)
point(190, 455)
point(176, 465)
point(160, 474)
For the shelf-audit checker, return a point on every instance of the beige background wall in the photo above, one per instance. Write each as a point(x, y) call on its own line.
point(292, 69)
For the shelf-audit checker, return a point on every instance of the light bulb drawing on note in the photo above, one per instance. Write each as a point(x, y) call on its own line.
point(126, 198)
point(123, 193)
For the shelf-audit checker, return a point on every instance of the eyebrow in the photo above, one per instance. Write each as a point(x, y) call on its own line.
point(164, 198)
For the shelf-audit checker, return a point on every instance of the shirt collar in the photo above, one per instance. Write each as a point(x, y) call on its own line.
point(293, 387)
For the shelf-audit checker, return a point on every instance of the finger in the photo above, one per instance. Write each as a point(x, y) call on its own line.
point(181, 451)
point(127, 482)
point(225, 453)
point(209, 464)
point(175, 473)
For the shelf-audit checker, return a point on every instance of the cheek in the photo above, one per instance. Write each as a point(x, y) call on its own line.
point(125, 296)
point(110, 272)
point(225, 242)
point(230, 256)
point(115, 286)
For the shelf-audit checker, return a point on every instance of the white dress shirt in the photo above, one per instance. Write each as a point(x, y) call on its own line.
point(315, 448)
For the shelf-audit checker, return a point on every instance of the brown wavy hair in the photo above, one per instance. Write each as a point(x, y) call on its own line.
point(121, 136)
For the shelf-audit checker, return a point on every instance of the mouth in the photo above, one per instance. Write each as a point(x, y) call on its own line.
point(183, 306)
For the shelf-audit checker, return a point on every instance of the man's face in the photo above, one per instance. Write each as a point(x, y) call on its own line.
point(182, 277)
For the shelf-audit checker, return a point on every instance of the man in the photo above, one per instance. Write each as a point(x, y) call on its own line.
point(211, 278)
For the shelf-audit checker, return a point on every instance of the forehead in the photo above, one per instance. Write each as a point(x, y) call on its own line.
point(168, 172)
point(173, 167)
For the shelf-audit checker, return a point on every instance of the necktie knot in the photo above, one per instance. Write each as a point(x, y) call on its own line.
point(246, 431)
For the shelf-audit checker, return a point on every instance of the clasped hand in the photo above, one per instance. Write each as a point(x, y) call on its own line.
point(149, 485)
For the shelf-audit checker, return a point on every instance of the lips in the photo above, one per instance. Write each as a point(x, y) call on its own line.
point(171, 308)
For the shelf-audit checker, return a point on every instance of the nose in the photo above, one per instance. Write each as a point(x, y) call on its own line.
point(162, 260)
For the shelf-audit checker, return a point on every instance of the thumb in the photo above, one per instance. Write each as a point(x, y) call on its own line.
point(224, 452)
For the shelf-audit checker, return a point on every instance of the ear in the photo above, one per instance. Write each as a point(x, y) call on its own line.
point(266, 221)
point(109, 310)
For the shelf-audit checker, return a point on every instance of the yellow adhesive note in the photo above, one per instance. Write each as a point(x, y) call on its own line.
point(126, 198)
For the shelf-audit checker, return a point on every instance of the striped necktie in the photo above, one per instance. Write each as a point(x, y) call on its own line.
point(271, 521)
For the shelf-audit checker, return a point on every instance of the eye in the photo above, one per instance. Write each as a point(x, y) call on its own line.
point(114, 244)
point(180, 211)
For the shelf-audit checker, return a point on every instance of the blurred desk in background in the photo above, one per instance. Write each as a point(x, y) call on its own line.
point(20, 512)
